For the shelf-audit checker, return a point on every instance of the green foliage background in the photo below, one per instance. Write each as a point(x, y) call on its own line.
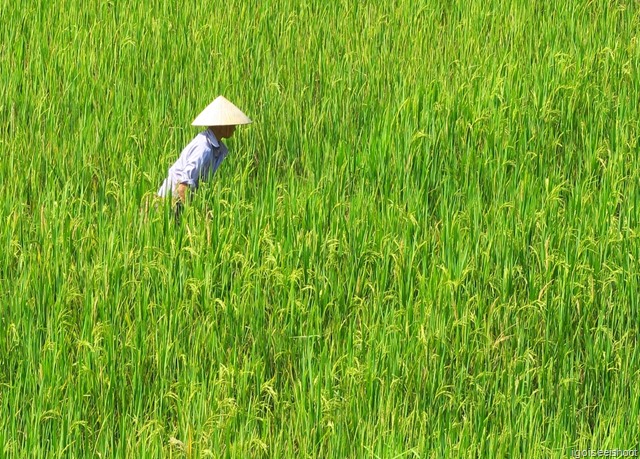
point(426, 245)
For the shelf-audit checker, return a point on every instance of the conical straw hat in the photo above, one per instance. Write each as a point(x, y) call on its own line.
point(221, 112)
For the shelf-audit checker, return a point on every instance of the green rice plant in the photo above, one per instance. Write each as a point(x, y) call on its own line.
point(426, 244)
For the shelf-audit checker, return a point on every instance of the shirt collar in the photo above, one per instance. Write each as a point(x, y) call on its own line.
point(212, 138)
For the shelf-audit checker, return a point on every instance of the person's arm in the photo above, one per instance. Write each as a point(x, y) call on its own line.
point(190, 174)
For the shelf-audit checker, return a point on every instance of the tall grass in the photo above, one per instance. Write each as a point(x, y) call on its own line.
point(425, 246)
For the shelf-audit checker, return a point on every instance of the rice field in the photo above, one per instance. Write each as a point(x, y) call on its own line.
point(426, 245)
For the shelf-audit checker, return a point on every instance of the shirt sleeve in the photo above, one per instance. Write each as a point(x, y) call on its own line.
point(194, 165)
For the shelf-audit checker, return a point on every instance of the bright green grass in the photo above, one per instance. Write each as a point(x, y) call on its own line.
point(425, 246)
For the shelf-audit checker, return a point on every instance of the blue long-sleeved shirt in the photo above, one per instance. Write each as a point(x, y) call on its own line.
point(199, 160)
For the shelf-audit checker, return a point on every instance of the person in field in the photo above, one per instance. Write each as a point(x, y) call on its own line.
point(203, 155)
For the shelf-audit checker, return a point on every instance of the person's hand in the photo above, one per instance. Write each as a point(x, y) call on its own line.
point(182, 192)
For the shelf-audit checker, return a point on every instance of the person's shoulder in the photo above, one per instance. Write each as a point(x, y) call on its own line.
point(198, 140)
point(201, 139)
point(201, 143)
